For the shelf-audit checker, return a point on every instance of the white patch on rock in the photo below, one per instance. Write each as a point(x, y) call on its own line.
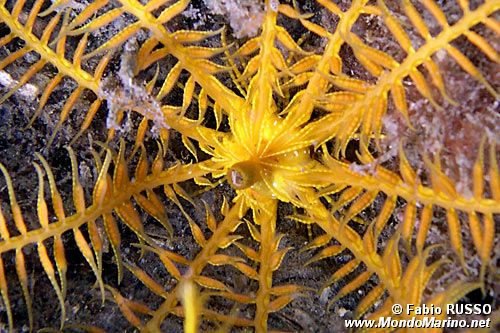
point(245, 16)
point(28, 91)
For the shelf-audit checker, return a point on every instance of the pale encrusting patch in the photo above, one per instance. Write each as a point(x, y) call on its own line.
point(245, 16)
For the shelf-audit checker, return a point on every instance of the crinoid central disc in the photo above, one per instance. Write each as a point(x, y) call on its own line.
point(244, 174)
